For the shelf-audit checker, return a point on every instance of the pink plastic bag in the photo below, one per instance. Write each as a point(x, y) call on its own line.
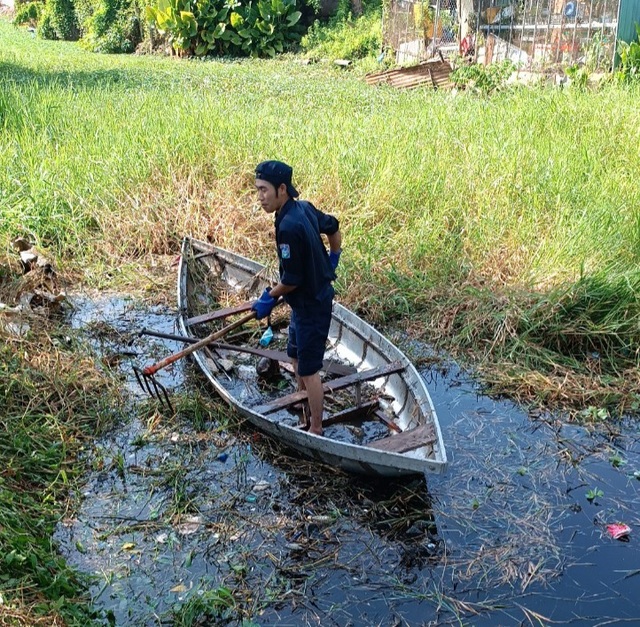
point(618, 530)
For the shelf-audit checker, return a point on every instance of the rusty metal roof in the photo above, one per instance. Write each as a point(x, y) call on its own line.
point(434, 73)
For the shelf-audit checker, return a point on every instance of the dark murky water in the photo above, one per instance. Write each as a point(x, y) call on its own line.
point(174, 513)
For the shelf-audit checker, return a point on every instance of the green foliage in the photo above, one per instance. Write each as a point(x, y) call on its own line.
point(60, 21)
point(629, 67)
point(483, 79)
point(579, 76)
point(204, 607)
point(346, 37)
point(28, 13)
point(46, 416)
point(174, 19)
point(594, 494)
point(266, 27)
point(45, 26)
point(227, 27)
point(616, 460)
point(595, 53)
point(598, 315)
point(109, 26)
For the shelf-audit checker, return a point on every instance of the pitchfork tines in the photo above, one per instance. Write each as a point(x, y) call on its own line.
point(153, 387)
point(146, 376)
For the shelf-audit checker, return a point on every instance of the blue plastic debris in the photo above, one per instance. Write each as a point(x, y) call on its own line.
point(267, 336)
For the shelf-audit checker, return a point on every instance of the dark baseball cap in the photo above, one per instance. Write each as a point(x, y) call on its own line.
point(276, 173)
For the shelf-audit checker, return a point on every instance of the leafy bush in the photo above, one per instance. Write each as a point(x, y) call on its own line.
point(60, 21)
point(266, 27)
point(109, 26)
point(202, 27)
point(28, 13)
point(45, 26)
point(483, 79)
point(630, 57)
point(579, 76)
point(346, 37)
point(174, 19)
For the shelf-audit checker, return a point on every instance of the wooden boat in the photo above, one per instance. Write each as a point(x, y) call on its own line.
point(383, 422)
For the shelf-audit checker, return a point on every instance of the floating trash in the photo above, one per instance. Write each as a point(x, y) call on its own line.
point(189, 525)
point(618, 530)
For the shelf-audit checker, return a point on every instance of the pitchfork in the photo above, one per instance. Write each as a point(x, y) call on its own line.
point(146, 376)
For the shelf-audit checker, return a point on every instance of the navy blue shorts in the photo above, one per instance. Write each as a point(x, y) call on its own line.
point(308, 331)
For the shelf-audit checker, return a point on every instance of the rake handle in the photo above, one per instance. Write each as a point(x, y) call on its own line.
point(151, 370)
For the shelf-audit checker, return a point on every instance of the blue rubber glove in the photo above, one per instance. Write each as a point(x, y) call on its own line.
point(264, 304)
point(334, 258)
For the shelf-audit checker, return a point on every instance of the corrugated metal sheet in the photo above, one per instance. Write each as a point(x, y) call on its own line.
point(434, 74)
point(628, 17)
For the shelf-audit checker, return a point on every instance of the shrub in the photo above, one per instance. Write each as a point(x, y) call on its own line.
point(346, 37)
point(60, 21)
point(483, 79)
point(28, 13)
point(630, 57)
point(220, 27)
point(45, 28)
point(266, 27)
point(109, 26)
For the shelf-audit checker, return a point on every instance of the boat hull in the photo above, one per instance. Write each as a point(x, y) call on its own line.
point(352, 340)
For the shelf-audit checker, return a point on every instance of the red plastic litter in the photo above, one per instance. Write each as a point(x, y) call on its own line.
point(618, 530)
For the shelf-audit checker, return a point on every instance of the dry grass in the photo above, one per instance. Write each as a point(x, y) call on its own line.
point(28, 616)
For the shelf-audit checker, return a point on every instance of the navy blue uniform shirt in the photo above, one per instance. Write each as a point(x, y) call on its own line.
point(303, 257)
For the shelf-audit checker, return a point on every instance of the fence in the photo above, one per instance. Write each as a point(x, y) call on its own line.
point(418, 30)
point(534, 34)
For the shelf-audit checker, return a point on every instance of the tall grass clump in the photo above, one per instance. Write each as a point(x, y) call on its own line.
point(53, 401)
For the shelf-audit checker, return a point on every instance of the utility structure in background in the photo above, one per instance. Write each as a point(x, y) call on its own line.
point(535, 34)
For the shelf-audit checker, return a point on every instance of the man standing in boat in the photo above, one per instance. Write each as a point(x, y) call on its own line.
point(306, 273)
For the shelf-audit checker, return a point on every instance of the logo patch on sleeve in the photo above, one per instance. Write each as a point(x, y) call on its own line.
point(285, 251)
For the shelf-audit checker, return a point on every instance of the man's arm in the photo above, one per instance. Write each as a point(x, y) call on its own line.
point(335, 241)
point(281, 289)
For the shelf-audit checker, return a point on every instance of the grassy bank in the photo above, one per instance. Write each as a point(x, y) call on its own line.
point(474, 217)
point(53, 400)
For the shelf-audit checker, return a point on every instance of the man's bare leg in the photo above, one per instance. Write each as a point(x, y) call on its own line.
point(304, 405)
point(315, 395)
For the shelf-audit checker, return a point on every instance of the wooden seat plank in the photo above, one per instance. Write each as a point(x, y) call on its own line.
point(328, 366)
point(217, 314)
point(336, 384)
point(406, 441)
point(223, 313)
point(352, 414)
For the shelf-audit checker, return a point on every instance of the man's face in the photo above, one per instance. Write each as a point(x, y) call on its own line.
point(271, 199)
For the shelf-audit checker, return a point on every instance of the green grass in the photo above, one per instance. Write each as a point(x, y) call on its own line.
point(530, 185)
point(106, 158)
